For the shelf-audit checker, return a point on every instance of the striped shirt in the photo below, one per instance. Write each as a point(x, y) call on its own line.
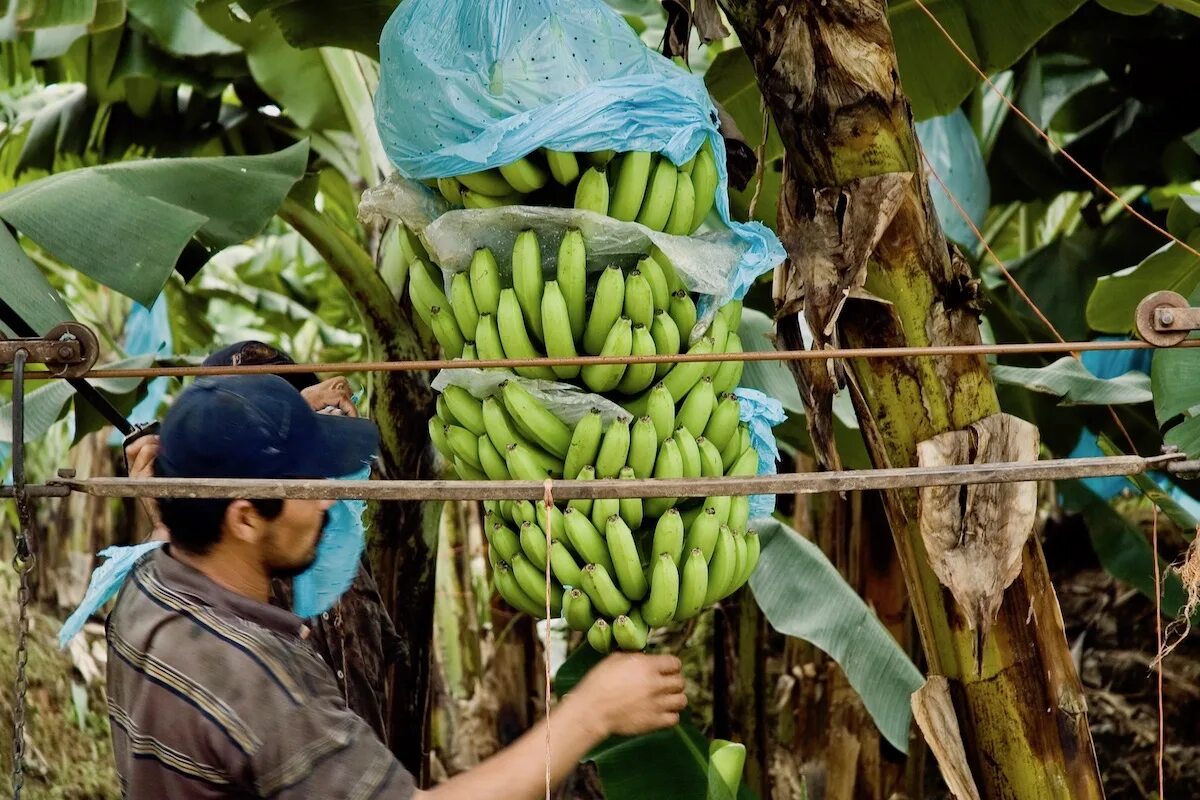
point(214, 695)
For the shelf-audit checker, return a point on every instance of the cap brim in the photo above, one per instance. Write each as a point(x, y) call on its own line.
point(344, 446)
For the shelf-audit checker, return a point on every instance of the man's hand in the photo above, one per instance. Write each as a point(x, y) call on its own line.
point(140, 455)
point(634, 693)
point(331, 397)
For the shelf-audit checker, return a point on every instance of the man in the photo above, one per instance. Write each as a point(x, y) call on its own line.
point(355, 637)
point(215, 693)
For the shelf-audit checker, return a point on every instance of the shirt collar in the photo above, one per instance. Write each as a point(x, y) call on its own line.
point(195, 583)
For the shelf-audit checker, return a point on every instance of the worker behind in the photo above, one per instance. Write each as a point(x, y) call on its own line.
point(216, 693)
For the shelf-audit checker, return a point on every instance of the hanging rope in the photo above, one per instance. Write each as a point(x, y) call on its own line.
point(23, 562)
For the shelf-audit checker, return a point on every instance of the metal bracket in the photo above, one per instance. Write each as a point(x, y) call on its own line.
point(69, 350)
point(1164, 319)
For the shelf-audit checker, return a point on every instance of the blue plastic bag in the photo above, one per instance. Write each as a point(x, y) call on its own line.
point(467, 85)
point(761, 413)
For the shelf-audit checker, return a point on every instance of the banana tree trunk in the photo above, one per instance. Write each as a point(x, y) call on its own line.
point(869, 266)
point(403, 539)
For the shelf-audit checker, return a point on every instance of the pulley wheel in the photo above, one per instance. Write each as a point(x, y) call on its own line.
point(1147, 313)
point(89, 347)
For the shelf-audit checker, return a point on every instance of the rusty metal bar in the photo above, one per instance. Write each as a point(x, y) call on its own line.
point(794, 483)
point(1028, 348)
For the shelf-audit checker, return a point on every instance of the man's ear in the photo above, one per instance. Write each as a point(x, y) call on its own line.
point(243, 522)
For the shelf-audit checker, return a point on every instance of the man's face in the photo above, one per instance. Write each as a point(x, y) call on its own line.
point(290, 543)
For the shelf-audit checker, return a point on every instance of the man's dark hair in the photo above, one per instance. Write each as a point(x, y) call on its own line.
point(195, 524)
point(253, 353)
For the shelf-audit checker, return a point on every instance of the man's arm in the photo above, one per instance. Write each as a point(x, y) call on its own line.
point(623, 695)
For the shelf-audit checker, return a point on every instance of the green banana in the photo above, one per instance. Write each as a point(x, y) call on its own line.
point(443, 411)
point(652, 271)
point(660, 407)
point(624, 554)
point(629, 187)
point(533, 583)
point(660, 607)
point(451, 189)
point(504, 540)
point(464, 444)
point(659, 195)
point(465, 408)
point(564, 166)
point(410, 245)
point(731, 312)
point(643, 447)
point(563, 564)
point(727, 759)
point(723, 424)
point(521, 464)
point(515, 338)
point(669, 464)
point(445, 329)
point(639, 299)
point(739, 549)
point(437, 435)
point(556, 326)
point(488, 182)
point(705, 182)
point(718, 331)
point(524, 175)
point(674, 284)
point(599, 636)
point(606, 597)
point(638, 376)
point(729, 374)
point(683, 208)
point(469, 352)
point(577, 610)
point(738, 444)
point(542, 426)
point(703, 532)
point(484, 274)
point(602, 509)
point(630, 632)
point(607, 305)
point(498, 425)
point(721, 505)
point(591, 193)
point(585, 442)
point(572, 280)
point(523, 511)
point(462, 303)
point(680, 380)
point(527, 279)
point(668, 536)
point(510, 589)
point(686, 167)
point(683, 311)
point(697, 407)
point(689, 451)
point(746, 464)
point(533, 544)
point(600, 157)
point(722, 568)
point(494, 465)
point(586, 539)
point(487, 339)
point(584, 506)
point(753, 550)
point(630, 507)
point(558, 528)
point(739, 512)
point(614, 448)
point(476, 200)
point(424, 292)
point(693, 585)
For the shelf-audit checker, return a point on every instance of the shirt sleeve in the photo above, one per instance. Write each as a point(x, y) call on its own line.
point(322, 749)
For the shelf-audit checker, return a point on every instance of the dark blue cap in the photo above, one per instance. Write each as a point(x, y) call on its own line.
point(258, 426)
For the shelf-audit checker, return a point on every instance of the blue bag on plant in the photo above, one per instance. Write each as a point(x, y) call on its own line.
point(467, 85)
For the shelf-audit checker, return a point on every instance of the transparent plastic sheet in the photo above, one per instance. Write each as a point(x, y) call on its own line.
point(568, 403)
point(493, 80)
point(709, 264)
point(761, 413)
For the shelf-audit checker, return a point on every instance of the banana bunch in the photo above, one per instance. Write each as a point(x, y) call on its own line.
point(635, 186)
point(531, 312)
point(619, 566)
